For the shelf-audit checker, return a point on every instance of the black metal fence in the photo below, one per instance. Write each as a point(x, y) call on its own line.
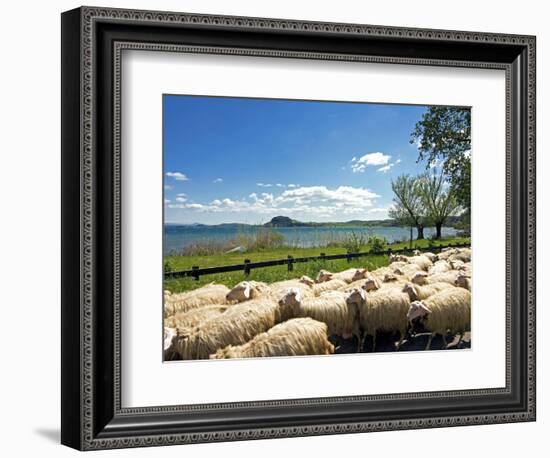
point(195, 272)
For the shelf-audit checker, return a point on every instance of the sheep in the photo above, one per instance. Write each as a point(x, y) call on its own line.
point(169, 334)
point(383, 310)
point(331, 308)
point(463, 281)
point(448, 310)
point(464, 255)
point(193, 317)
point(447, 277)
point(431, 256)
point(206, 295)
point(296, 337)
point(408, 270)
point(331, 285)
point(307, 280)
point(439, 267)
point(278, 289)
point(370, 283)
point(418, 292)
point(349, 275)
point(381, 272)
point(446, 253)
point(397, 265)
point(236, 326)
point(421, 261)
point(398, 257)
point(247, 290)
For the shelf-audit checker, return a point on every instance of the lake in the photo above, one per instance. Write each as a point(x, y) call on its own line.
point(177, 237)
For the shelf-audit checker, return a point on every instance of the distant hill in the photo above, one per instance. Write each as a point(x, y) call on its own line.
point(284, 221)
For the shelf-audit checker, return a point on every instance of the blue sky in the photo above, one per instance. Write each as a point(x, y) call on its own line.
point(247, 160)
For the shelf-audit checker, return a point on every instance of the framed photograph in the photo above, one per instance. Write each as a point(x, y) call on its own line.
point(276, 228)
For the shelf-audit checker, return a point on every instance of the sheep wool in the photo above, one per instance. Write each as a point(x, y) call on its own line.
point(418, 292)
point(296, 337)
point(348, 275)
point(194, 317)
point(421, 261)
point(331, 308)
point(331, 285)
point(439, 267)
point(236, 326)
point(448, 310)
point(206, 295)
point(246, 290)
point(382, 310)
point(447, 277)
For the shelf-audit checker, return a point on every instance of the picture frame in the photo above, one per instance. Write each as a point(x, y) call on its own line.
point(92, 414)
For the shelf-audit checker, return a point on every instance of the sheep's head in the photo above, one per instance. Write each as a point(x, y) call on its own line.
point(323, 275)
point(169, 334)
point(307, 280)
point(359, 274)
point(167, 293)
point(410, 289)
point(417, 309)
point(240, 292)
point(388, 278)
point(398, 271)
point(462, 281)
point(417, 252)
point(292, 298)
point(371, 285)
point(356, 297)
point(420, 278)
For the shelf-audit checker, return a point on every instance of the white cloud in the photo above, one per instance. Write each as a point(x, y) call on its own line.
point(378, 210)
point(178, 176)
point(305, 202)
point(398, 161)
point(181, 199)
point(167, 187)
point(167, 201)
point(292, 185)
point(264, 185)
point(218, 180)
point(279, 185)
point(359, 165)
point(385, 168)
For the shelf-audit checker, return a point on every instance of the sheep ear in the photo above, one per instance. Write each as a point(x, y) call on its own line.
point(426, 309)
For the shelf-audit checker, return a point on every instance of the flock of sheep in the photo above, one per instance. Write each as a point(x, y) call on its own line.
point(426, 291)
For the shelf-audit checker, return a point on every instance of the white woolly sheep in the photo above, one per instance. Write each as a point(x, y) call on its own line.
point(330, 308)
point(382, 310)
point(278, 289)
point(371, 283)
point(348, 275)
point(246, 290)
point(206, 295)
point(398, 257)
point(439, 267)
point(408, 270)
point(296, 337)
point(446, 311)
point(418, 292)
point(463, 254)
point(331, 285)
point(446, 253)
point(236, 326)
point(421, 261)
point(464, 281)
point(447, 277)
point(193, 317)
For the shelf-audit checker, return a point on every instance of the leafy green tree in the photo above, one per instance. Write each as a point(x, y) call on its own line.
point(443, 135)
point(408, 207)
point(438, 198)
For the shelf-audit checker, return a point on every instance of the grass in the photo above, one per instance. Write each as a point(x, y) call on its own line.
point(276, 273)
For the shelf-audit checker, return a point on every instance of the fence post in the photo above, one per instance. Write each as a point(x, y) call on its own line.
point(322, 256)
point(195, 272)
point(348, 257)
point(290, 263)
point(247, 267)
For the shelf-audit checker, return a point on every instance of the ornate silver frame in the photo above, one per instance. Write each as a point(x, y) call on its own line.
point(93, 40)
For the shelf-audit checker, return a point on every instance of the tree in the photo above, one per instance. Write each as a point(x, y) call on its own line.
point(408, 207)
point(444, 135)
point(438, 199)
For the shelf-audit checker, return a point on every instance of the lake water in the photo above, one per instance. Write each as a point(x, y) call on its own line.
point(177, 237)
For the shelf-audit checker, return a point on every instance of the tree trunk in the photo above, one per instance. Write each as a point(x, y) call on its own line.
point(438, 230)
point(411, 238)
point(420, 230)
